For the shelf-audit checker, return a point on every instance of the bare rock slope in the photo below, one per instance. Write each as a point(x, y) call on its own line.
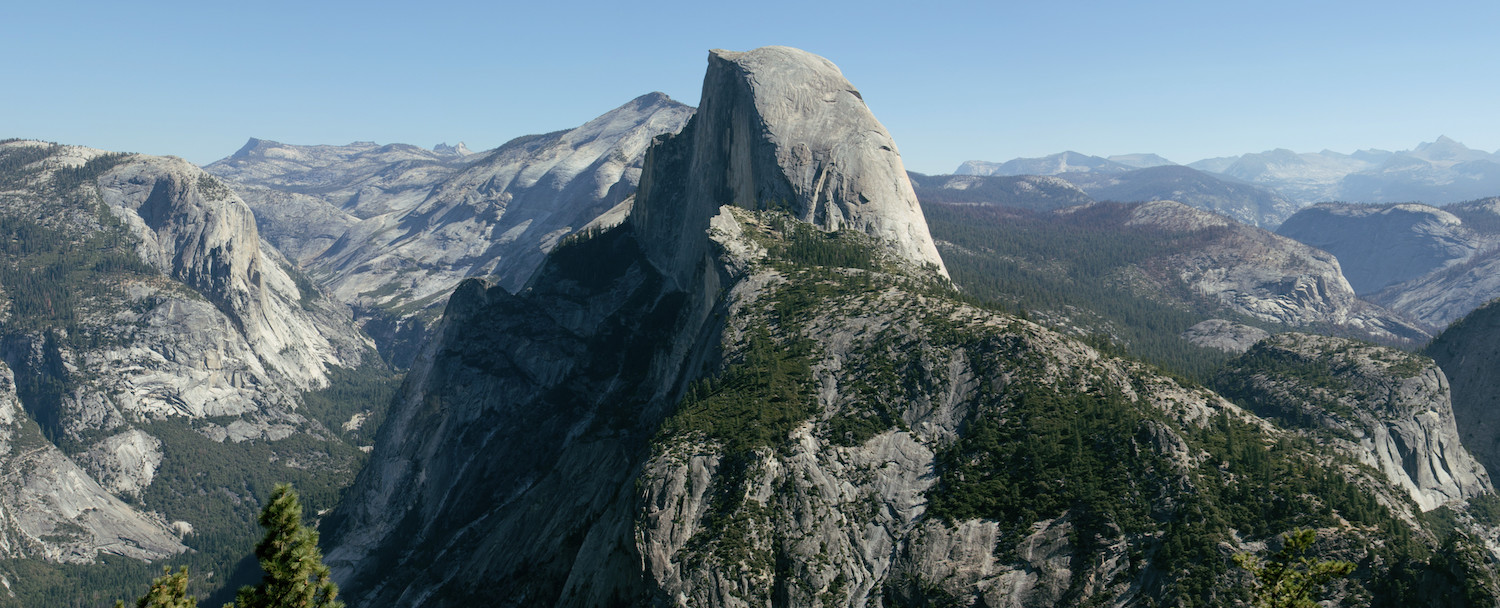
point(1380, 246)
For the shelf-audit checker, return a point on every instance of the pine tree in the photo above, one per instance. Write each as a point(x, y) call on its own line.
point(295, 576)
point(168, 591)
point(1291, 579)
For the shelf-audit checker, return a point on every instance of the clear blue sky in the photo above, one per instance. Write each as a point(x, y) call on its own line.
point(951, 81)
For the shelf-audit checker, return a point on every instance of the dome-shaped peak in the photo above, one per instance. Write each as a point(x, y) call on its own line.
point(778, 126)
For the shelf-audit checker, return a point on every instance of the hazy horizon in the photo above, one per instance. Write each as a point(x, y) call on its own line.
point(953, 83)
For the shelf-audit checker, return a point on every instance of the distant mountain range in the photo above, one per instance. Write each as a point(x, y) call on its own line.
point(389, 230)
point(1113, 181)
point(1438, 172)
point(1064, 162)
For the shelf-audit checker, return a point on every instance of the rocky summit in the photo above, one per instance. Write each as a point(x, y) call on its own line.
point(762, 389)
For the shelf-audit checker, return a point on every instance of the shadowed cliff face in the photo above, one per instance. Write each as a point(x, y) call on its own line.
point(1469, 353)
point(508, 460)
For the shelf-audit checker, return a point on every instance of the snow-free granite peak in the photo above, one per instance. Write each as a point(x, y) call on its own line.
point(778, 127)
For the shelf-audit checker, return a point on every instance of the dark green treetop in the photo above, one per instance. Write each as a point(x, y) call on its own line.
point(295, 576)
point(167, 591)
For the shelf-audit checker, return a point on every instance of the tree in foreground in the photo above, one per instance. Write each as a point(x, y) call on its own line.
point(167, 591)
point(295, 576)
point(1291, 578)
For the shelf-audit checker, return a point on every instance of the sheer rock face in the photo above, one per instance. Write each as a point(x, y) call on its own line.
point(778, 128)
point(1394, 407)
point(1469, 353)
point(508, 458)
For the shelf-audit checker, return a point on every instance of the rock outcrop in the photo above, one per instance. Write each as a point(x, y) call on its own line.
point(1267, 277)
point(52, 510)
point(1390, 409)
point(1224, 335)
point(195, 230)
point(1263, 276)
